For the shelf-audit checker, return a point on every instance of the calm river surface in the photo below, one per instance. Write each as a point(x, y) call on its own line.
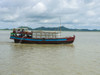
point(80, 58)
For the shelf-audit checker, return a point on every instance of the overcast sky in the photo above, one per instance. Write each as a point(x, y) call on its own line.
point(36, 13)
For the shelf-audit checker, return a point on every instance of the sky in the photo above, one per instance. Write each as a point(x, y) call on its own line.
point(80, 14)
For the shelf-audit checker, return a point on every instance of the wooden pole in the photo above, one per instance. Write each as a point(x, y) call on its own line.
point(60, 26)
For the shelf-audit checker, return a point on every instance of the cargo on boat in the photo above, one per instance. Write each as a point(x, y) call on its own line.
point(22, 35)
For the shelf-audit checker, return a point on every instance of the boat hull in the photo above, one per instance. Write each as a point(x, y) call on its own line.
point(66, 40)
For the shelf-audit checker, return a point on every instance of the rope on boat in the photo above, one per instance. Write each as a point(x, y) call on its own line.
point(21, 39)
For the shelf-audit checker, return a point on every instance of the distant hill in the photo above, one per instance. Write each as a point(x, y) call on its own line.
point(51, 28)
point(54, 28)
point(62, 29)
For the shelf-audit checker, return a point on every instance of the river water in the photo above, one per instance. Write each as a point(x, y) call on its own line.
point(80, 58)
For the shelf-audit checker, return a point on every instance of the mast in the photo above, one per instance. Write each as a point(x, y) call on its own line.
point(60, 26)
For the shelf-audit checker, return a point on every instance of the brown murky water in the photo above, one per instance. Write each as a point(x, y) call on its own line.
point(80, 58)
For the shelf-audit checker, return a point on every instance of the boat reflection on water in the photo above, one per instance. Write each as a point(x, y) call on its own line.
point(19, 46)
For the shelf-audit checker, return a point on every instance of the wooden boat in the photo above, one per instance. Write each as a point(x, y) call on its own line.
point(39, 37)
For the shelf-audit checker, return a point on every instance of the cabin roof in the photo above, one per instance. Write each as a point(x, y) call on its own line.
point(21, 28)
point(55, 32)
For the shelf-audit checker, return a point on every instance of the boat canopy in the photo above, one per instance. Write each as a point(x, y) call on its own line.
point(44, 34)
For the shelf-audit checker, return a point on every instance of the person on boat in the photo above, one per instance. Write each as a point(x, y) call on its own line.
point(18, 31)
point(22, 30)
point(14, 30)
point(22, 33)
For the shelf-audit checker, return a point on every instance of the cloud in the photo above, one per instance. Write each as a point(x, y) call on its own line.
point(91, 13)
point(37, 13)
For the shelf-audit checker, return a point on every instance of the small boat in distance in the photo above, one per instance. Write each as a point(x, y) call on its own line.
point(22, 35)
